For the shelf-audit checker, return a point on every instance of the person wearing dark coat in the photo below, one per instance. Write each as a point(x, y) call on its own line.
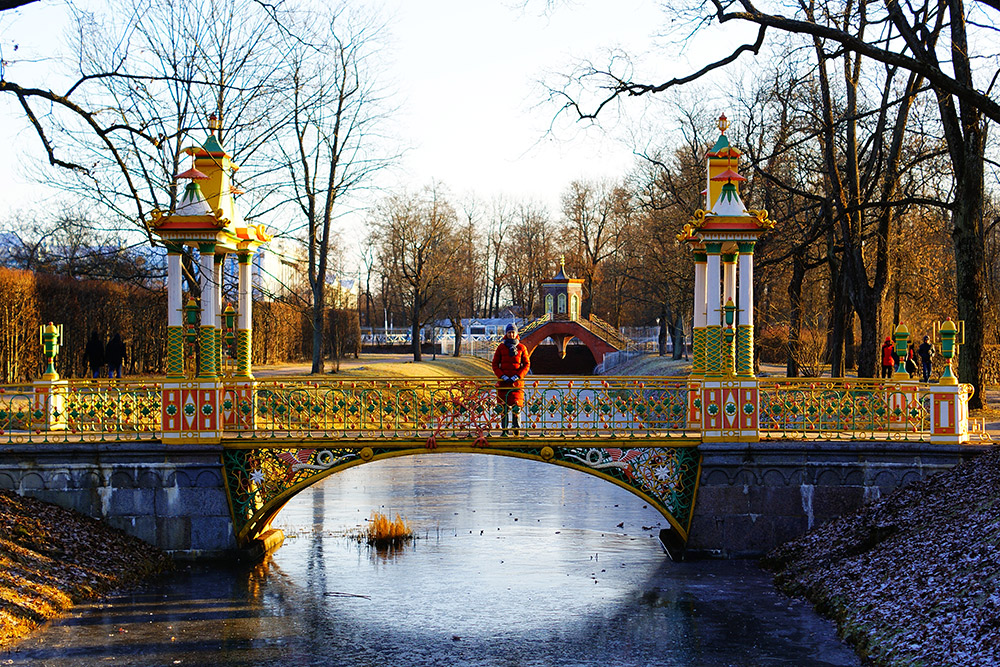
point(926, 353)
point(115, 356)
point(510, 365)
point(94, 353)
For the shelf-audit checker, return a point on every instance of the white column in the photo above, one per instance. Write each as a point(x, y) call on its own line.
point(217, 262)
point(206, 266)
point(245, 316)
point(174, 315)
point(713, 280)
point(746, 288)
point(729, 279)
point(700, 295)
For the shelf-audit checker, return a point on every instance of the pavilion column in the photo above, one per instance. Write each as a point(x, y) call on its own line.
point(218, 266)
point(175, 317)
point(698, 321)
point(729, 292)
point(244, 324)
point(208, 339)
point(744, 332)
point(713, 310)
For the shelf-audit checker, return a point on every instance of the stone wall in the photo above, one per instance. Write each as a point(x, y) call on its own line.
point(171, 496)
point(754, 496)
point(751, 497)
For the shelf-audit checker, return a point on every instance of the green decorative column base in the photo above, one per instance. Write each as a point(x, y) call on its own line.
point(714, 366)
point(219, 359)
point(243, 338)
point(175, 352)
point(208, 348)
point(698, 353)
point(744, 347)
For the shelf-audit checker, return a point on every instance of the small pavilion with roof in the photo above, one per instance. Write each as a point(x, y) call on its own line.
point(722, 238)
point(206, 218)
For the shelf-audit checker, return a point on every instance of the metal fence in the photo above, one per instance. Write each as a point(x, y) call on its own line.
point(298, 408)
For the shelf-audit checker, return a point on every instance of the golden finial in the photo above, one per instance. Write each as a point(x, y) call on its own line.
point(213, 122)
point(723, 123)
point(562, 261)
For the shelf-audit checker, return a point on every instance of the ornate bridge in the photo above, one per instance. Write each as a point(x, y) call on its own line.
point(282, 435)
point(648, 435)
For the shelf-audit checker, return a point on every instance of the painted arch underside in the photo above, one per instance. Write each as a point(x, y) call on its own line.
point(261, 479)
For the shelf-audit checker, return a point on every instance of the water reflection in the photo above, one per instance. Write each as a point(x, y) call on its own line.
point(516, 563)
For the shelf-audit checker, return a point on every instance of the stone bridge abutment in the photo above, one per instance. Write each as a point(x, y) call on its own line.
point(751, 496)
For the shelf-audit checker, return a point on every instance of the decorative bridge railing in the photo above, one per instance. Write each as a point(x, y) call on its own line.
point(434, 409)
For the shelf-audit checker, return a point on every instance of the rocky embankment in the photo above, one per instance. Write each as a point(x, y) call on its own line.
point(52, 558)
point(912, 578)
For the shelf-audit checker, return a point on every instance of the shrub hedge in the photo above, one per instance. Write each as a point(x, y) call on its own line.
point(281, 332)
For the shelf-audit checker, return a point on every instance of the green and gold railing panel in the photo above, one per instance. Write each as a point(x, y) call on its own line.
point(261, 478)
point(843, 409)
point(75, 410)
point(462, 408)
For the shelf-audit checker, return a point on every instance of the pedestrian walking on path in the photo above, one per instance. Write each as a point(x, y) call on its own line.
point(888, 358)
point(94, 353)
point(115, 355)
point(926, 353)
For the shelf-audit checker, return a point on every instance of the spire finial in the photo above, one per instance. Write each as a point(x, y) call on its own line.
point(562, 261)
point(723, 123)
point(214, 124)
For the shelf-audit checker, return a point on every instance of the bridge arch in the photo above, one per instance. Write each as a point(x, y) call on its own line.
point(562, 331)
point(261, 480)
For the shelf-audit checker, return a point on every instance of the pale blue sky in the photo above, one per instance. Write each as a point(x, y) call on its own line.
point(467, 74)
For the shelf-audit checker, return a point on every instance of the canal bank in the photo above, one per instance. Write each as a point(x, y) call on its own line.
point(53, 558)
point(912, 578)
point(515, 562)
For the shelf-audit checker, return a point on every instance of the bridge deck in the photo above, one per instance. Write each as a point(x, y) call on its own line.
point(299, 409)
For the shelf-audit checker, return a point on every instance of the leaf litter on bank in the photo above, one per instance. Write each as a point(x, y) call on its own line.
point(911, 578)
point(52, 558)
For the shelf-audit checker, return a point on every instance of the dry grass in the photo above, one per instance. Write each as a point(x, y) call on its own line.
point(381, 532)
point(442, 367)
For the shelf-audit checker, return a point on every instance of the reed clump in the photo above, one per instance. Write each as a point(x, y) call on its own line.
point(381, 531)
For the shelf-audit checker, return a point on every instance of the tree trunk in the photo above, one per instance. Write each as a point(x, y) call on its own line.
point(968, 242)
point(841, 317)
point(456, 326)
point(415, 326)
point(868, 353)
point(317, 324)
point(678, 338)
point(795, 316)
point(850, 358)
point(661, 337)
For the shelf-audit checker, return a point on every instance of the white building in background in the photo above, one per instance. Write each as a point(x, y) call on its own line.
point(279, 270)
point(343, 292)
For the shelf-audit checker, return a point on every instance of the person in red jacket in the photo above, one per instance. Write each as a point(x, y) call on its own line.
point(510, 365)
point(889, 358)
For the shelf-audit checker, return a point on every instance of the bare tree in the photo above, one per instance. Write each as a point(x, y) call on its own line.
point(416, 234)
point(909, 37)
point(528, 254)
point(596, 216)
point(333, 150)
